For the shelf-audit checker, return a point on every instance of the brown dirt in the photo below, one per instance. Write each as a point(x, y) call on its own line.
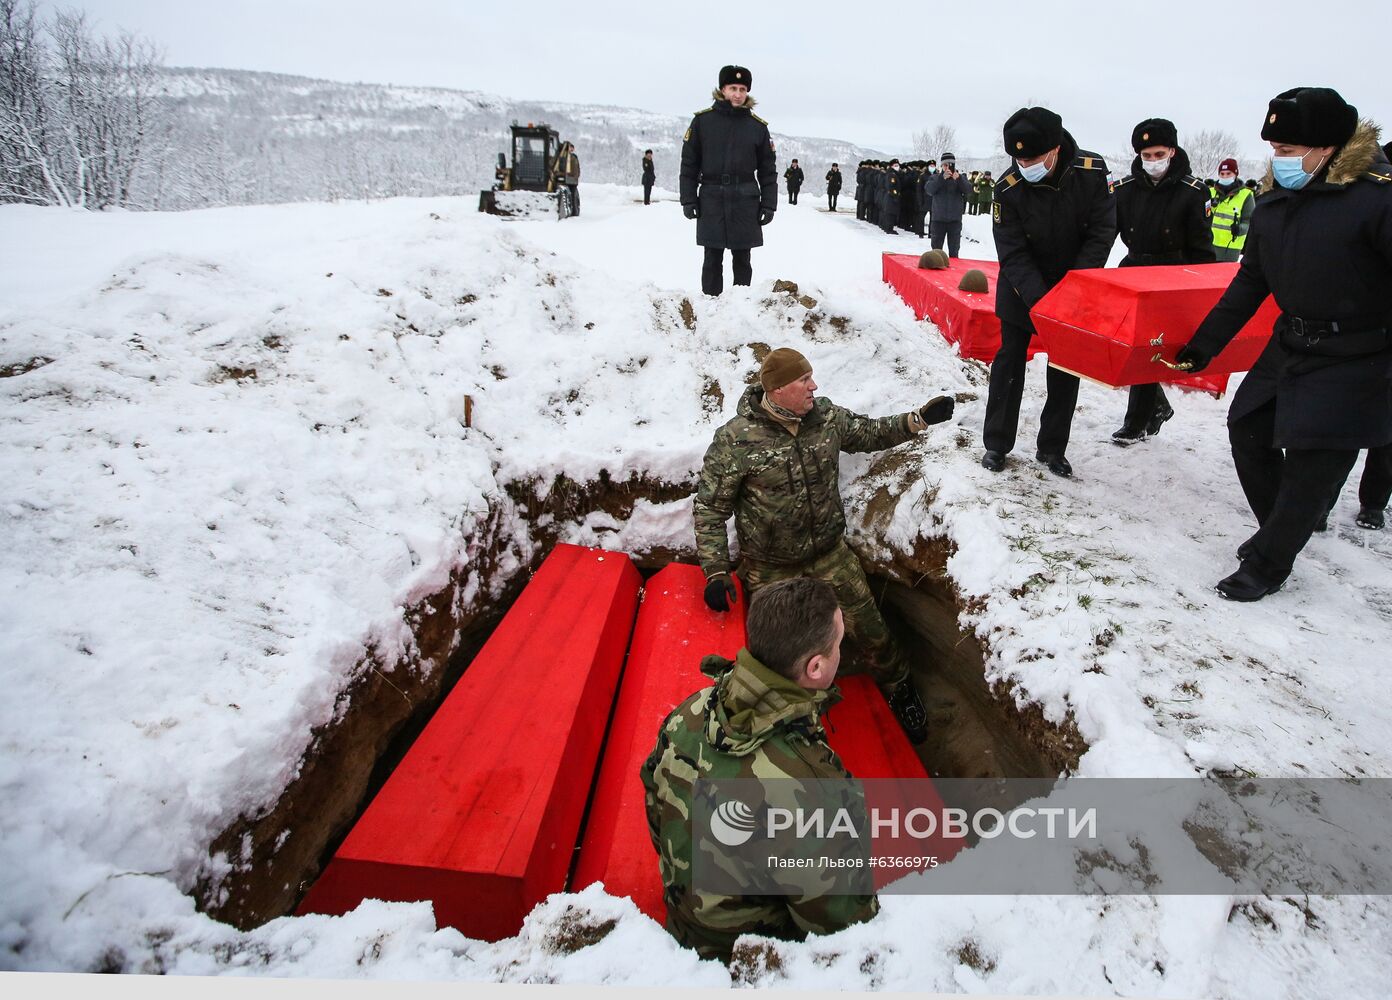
point(337, 773)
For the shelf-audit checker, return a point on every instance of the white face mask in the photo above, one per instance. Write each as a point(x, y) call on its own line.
point(1156, 168)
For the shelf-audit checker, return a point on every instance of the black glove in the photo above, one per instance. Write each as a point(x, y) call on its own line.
point(691, 211)
point(937, 409)
point(765, 216)
point(720, 592)
point(1195, 358)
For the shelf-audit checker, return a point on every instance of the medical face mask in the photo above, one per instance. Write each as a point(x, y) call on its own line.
point(1226, 182)
point(1290, 171)
point(1035, 172)
point(1156, 168)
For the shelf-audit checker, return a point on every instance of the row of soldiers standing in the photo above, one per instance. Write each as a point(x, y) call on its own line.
point(918, 195)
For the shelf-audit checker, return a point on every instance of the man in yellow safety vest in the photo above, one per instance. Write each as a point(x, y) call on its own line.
point(1232, 212)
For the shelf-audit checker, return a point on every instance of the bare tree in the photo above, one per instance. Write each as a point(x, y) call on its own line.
point(930, 145)
point(1207, 149)
point(78, 114)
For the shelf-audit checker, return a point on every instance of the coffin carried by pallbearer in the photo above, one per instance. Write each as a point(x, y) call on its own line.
point(965, 318)
point(1123, 326)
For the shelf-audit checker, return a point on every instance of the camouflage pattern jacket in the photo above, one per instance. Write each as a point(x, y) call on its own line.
point(753, 724)
point(783, 489)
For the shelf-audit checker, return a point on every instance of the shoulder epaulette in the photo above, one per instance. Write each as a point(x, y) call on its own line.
point(1196, 184)
point(1008, 180)
point(1090, 162)
point(1381, 178)
point(757, 118)
point(704, 110)
point(1124, 180)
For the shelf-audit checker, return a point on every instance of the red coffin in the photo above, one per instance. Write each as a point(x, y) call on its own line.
point(482, 814)
point(967, 319)
point(675, 630)
point(1110, 324)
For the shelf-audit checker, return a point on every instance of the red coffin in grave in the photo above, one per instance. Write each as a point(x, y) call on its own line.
point(482, 814)
point(675, 630)
point(1116, 325)
point(967, 319)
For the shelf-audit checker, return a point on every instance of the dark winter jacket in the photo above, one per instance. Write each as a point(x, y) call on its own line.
point(1065, 222)
point(949, 196)
point(833, 181)
point(729, 170)
point(649, 171)
point(1165, 222)
point(793, 175)
point(783, 489)
point(1325, 253)
point(891, 183)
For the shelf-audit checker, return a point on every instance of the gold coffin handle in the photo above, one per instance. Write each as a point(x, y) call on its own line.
point(1159, 341)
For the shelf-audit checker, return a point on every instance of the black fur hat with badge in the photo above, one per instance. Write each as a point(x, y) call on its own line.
point(1032, 132)
point(736, 74)
point(1310, 116)
point(1154, 132)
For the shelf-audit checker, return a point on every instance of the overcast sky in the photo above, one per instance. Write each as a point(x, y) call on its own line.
point(846, 70)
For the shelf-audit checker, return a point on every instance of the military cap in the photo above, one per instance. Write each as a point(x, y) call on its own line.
point(736, 74)
point(934, 260)
point(1032, 132)
point(1154, 132)
point(782, 366)
point(974, 281)
point(1310, 116)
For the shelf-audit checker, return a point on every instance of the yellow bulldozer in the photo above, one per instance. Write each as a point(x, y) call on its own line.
point(537, 158)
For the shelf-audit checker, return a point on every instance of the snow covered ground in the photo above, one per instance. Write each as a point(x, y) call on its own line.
point(244, 458)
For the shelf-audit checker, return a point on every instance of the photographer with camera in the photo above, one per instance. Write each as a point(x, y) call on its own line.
point(949, 192)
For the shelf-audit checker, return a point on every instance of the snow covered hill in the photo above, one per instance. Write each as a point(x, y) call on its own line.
point(232, 459)
point(242, 137)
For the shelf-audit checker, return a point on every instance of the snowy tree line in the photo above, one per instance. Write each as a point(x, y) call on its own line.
point(80, 116)
point(98, 122)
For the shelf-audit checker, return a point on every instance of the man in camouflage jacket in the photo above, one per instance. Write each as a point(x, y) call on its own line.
point(776, 468)
point(760, 721)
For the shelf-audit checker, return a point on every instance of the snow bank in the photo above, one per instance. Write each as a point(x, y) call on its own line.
point(245, 458)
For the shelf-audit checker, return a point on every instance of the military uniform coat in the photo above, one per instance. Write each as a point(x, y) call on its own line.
point(1325, 253)
point(784, 490)
point(1166, 222)
point(729, 170)
point(753, 724)
point(949, 196)
point(833, 182)
point(794, 176)
point(1043, 231)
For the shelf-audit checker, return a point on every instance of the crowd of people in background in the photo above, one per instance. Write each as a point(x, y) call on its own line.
point(922, 197)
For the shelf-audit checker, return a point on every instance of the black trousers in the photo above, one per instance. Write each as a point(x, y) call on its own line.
point(713, 269)
point(647, 194)
point(574, 198)
point(1375, 488)
point(951, 231)
point(831, 201)
point(1289, 492)
point(792, 196)
point(1142, 403)
point(860, 209)
point(889, 215)
point(1007, 389)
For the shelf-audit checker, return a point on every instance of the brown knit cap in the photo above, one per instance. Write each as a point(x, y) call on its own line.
point(781, 367)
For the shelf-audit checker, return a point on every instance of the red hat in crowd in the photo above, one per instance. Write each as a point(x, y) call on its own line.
point(1228, 164)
